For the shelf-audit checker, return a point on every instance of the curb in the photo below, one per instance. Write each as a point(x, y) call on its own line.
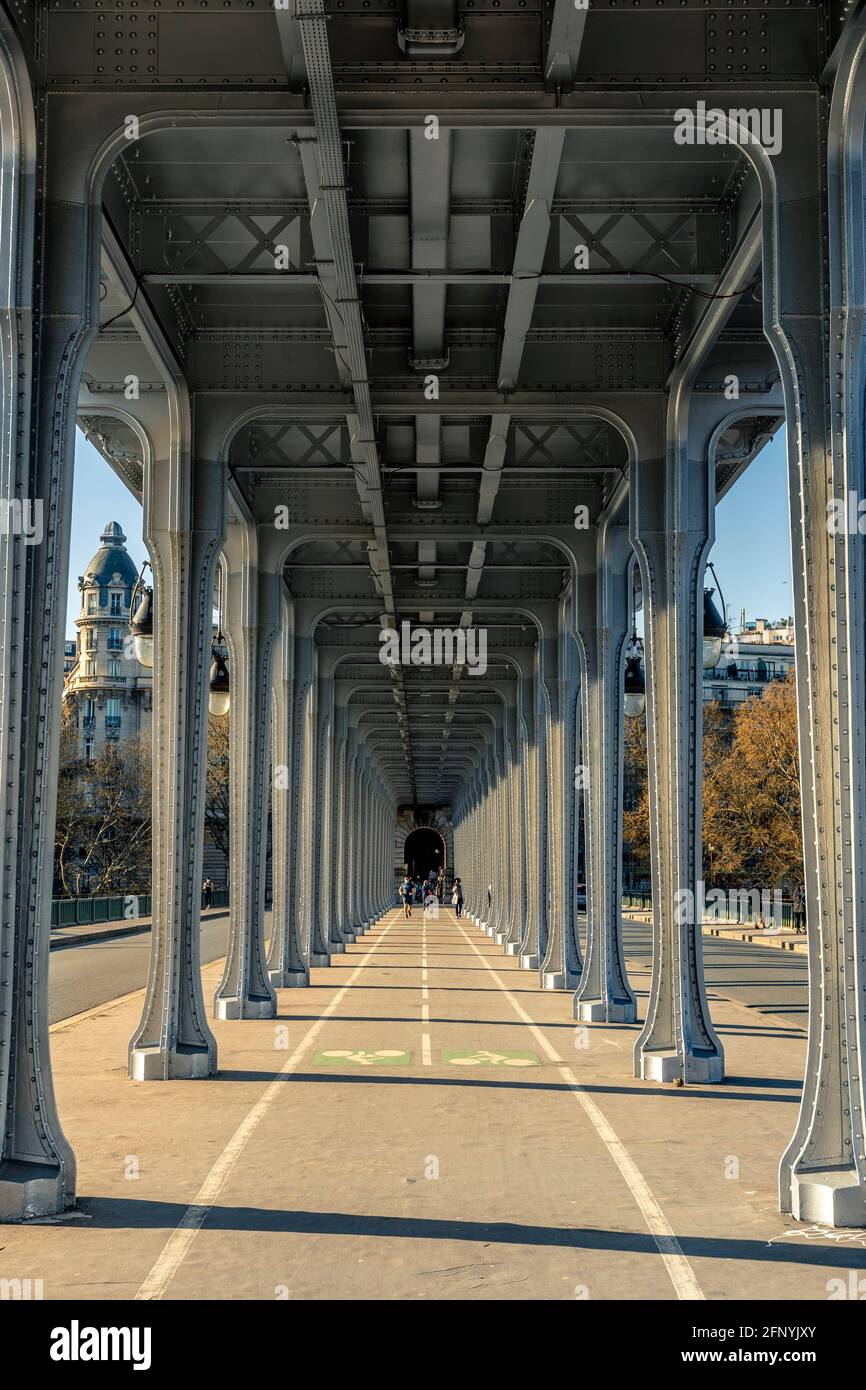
point(74, 937)
point(755, 935)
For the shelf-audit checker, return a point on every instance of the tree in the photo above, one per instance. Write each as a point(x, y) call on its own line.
point(216, 813)
point(635, 820)
point(752, 813)
point(103, 835)
point(751, 791)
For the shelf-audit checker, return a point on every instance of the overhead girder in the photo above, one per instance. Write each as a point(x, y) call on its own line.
point(453, 257)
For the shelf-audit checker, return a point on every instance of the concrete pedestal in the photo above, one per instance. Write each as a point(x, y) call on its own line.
point(596, 1011)
point(184, 1064)
point(667, 1066)
point(288, 979)
point(828, 1198)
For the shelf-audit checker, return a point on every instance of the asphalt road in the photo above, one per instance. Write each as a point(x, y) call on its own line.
point(765, 979)
point(80, 977)
point(761, 977)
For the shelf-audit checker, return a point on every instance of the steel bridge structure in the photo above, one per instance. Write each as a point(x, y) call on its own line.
point(450, 315)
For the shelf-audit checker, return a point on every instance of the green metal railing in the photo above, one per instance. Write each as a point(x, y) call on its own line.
point(642, 902)
point(86, 912)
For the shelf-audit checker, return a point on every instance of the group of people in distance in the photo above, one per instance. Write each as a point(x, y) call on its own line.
point(429, 892)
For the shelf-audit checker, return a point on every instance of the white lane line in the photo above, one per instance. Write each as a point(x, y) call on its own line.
point(681, 1274)
point(179, 1241)
point(426, 1050)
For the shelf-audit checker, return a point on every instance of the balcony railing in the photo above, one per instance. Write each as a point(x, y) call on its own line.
point(112, 721)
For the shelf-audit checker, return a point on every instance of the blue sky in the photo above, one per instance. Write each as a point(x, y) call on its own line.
point(752, 553)
point(98, 496)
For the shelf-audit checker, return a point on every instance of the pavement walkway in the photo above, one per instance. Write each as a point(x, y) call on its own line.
point(424, 1122)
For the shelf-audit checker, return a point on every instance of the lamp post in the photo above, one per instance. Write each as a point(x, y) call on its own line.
point(634, 702)
point(715, 626)
point(141, 620)
point(219, 698)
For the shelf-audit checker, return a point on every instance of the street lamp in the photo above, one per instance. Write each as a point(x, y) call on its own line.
point(634, 688)
point(141, 621)
point(219, 699)
point(634, 703)
point(714, 626)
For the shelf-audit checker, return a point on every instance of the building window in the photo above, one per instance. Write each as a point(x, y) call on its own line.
point(115, 639)
point(90, 668)
point(116, 601)
point(89, 712)
point(112, 713)
point(88, 749)
point(114, 668)
point(92, 602)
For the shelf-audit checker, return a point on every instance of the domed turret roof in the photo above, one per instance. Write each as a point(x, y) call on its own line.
point(112, 558)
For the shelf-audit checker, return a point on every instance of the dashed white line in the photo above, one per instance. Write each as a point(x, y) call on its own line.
point(681, 1274)
point(180, 1240)
point(426, 1050)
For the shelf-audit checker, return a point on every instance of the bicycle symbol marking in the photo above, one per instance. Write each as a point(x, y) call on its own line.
point(485, 1058)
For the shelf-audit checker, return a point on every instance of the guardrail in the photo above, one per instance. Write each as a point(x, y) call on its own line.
point(642, 902)
point(84, 912)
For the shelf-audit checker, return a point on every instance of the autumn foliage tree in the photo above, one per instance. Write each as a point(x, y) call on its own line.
point(752, 795)
point(751, 791)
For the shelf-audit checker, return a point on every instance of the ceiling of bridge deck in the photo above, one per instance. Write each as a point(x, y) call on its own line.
point(484, 346)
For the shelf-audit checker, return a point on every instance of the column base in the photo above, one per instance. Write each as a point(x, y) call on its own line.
point(529, 962)
point(317, 959)
point(182, 1064)
point(512, 948)
point(501, 938)
point(558, 979)
point(234, 1008)
point(348, 939)
point(832, 1197)
point(28, 1190)
point(288, 979)
point(336, 948)
point(597, 1011)
point(667, 1066)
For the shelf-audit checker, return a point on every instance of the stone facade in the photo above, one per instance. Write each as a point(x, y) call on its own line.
point(107, 693)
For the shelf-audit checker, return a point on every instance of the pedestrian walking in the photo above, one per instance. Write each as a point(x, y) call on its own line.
point(798, 906)
point(407, 892)
point(457, 897)
point(207, 890)
point(440, 885)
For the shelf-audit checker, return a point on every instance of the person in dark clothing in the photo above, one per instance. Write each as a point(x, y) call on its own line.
point(207, 889)
point(457, 897)
point(440, 885)
point(407, 892)
point(798, 907)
